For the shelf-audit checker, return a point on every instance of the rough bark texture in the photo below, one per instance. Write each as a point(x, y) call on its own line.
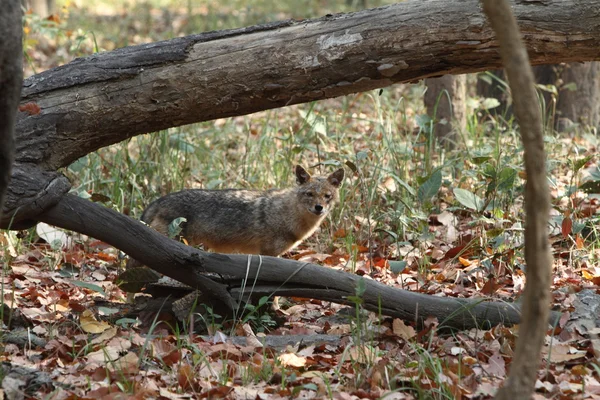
point(580, 106)
point(445, 102)
point(105, 98)
point(524, 367)
point(233, 278)
point(11, 78)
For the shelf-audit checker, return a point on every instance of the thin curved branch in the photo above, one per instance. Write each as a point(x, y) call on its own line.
point(536, 303)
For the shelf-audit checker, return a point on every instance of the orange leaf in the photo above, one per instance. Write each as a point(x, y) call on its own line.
point(53, 18)
point(464, 261)
point(587, 274)
point(340, 233)
point(105, 256)
point(360, 249)
point(490, 287)
point(381, 262)
point(31, 108)
point(580, 370)
point(567, 226)
point(579, 242)
point(335, 259)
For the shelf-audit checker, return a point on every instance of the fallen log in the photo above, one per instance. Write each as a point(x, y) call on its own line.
point(233, 278)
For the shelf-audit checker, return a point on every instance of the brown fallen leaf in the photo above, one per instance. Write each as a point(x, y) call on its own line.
point(105, 336)
point(128, 364)
point(292, 360)
point(90, 324)
point(402, 330)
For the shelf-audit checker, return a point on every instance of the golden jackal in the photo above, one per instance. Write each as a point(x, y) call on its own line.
point(267, 222)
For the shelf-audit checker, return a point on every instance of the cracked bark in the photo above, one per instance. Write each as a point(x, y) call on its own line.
point(11, 77)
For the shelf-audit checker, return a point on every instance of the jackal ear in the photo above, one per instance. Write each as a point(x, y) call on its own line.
point(302, 176)
point(336, 178)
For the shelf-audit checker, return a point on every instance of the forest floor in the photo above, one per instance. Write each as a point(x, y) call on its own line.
point(411, 215)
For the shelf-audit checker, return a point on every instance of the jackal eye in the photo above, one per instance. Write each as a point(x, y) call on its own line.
point(328, 196)
point(310, 194)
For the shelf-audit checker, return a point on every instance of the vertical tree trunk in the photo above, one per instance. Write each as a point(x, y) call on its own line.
point(581, 105)
point(11, 80)
point(445, 102)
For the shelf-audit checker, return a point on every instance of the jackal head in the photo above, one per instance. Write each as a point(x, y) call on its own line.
point(318, 193)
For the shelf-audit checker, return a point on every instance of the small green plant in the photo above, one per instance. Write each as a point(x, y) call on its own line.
point(257, 316)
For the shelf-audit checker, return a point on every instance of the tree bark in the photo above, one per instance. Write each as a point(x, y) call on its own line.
point(524, 367)
point(582, 105)
point(445, 101)
point(233, 278)
point(105, 98)
point(11, 79)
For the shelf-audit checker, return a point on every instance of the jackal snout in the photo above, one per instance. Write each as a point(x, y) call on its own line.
point(320, 207)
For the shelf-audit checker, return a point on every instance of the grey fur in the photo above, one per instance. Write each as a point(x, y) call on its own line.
point(267, 222)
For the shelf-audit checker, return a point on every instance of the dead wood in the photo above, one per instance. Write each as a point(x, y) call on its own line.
point(233, 279)
point(281, 342)
point(524, 367)
point(105, 98)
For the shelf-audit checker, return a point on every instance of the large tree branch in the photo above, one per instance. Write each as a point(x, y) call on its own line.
point(523, 372)
point(102, 99)
point(231, 278)
point(105, 98)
